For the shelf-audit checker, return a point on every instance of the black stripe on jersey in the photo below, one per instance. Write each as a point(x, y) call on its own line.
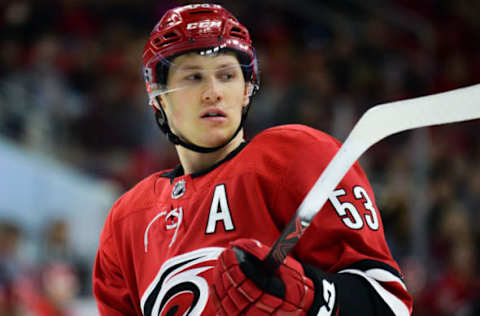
point(354, 295)
point(364, 265)
point(152, 297)
point(172, 174)
point(178, 170)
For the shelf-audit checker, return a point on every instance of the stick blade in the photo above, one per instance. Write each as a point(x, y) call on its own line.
point(442, 108)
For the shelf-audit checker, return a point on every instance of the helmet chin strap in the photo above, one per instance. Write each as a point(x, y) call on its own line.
point(162, 122)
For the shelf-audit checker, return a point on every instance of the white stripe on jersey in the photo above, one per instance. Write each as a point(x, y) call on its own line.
point(374, 277)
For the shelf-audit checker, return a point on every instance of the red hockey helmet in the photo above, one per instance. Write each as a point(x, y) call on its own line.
point(196, 27)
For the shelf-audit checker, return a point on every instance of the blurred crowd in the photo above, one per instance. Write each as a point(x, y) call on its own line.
point(71, 86)
point(42, 279)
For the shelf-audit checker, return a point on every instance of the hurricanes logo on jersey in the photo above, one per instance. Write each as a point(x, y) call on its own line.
point(180, 287)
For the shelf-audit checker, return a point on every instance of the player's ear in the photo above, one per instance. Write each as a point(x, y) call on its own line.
point(247, 93)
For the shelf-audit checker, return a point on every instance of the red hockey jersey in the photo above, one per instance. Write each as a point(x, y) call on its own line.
point(162, 238)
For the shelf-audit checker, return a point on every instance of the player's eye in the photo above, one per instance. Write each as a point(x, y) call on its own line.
point(194, 77)
point(226, 75)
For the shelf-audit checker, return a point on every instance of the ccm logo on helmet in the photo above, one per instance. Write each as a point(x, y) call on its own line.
point(203, 24)
point(202, 5)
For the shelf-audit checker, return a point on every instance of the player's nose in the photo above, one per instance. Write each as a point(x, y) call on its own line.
point(212, 92)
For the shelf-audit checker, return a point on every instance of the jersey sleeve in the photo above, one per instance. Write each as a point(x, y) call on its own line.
point(346, 236)
point(109, 285)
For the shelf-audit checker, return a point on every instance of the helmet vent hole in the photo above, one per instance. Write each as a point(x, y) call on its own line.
point(165, 39)
point(201, 12)
point(236, 32)
point(169, 35)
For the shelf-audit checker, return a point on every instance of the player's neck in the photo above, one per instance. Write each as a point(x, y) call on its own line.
point(195, 162)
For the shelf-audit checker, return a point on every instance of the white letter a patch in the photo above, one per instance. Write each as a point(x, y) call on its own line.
point(219, 211)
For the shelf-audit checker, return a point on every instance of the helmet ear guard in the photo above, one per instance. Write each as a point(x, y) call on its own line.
point(161, 119)
point(251, 89)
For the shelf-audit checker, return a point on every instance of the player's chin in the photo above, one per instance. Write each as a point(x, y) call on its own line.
point(216, 137)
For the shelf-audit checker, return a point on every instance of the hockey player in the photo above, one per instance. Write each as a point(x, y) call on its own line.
point(189, 241)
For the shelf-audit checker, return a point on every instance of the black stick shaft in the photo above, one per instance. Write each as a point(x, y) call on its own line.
point(284, 243)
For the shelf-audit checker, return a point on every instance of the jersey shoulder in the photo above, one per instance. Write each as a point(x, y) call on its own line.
point(296, 133)
point(139, 197)
point(295, 139)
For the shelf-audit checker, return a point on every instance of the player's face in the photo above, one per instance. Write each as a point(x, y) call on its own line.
point(207, 108)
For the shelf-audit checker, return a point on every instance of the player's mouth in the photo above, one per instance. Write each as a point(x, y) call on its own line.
point(213, 115)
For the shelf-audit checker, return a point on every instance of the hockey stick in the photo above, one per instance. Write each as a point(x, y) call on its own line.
point(377, 123)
